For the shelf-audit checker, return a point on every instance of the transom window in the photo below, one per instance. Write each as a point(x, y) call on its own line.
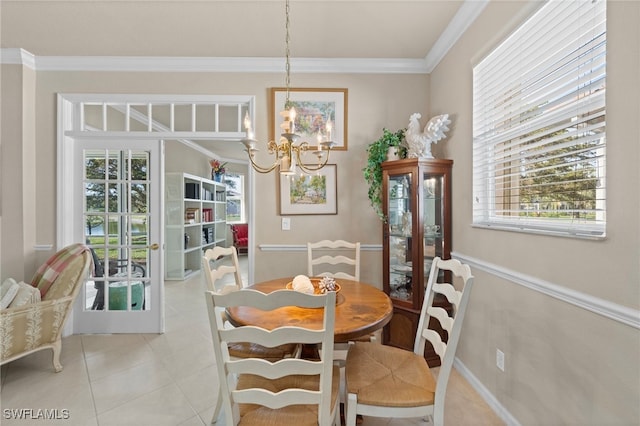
point(539, 129)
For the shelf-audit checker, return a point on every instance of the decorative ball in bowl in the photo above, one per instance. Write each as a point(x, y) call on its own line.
point(304, 284)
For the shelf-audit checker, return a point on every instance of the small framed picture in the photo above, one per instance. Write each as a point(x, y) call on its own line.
point(315, 193)
point(318, 112)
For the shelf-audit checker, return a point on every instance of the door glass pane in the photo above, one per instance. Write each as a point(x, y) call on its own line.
point(115, 198)
point(400, 231)
point(94, 225)
point(94, 299)
point(433, 208)
point(139, 198)
point(95, 164)
point(94, 197)
point(139, 230)
point(114, 165)
point(113, 228)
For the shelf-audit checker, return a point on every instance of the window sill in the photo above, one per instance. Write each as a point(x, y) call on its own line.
point(528, 229)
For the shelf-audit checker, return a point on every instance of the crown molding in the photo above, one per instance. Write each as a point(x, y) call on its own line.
point(200, 64)
point(464, 17)
point(15, 56)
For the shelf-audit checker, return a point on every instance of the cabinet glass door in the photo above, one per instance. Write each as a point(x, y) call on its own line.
point(400, 236)
point(433, 211)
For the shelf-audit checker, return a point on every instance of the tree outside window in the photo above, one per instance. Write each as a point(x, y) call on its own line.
point(235, 198)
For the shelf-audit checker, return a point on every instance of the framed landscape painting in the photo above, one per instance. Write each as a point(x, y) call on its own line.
point(315, 193)
point(314, 109)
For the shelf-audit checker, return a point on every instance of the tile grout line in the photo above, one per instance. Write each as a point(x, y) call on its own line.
point(86, 367)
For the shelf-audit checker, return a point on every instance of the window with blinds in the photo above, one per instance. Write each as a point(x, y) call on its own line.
point(539, 125)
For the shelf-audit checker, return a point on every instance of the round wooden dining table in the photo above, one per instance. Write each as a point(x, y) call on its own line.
point(360, 310)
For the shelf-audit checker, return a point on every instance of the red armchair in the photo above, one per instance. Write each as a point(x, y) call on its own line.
point(240, 233)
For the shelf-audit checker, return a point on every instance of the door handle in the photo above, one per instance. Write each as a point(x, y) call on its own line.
point(154, 246)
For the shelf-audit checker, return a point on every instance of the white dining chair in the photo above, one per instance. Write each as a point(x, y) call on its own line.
point(292, 391)
point(323, 253)
point(385, 381)
point(337, 259)
point(217, 264)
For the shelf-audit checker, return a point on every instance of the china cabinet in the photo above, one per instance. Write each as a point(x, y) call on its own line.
point(195, 220)
point(417, 208)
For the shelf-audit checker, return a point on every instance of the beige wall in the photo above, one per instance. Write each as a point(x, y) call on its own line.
point(18, 171)
point(564, 364)
point(374, 102)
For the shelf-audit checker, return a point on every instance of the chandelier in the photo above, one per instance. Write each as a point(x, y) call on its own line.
point(287, 151)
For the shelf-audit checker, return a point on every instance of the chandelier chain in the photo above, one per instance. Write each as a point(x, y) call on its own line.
point(287, 54)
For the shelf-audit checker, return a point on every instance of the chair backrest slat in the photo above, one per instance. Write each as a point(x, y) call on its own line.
point(277, 337)
point(225, 260)
point(449, 291)
point(353, 263)
point(333, 260)
point(266, 368)
point(439, 346)
point(275, 400)
point(446, 322)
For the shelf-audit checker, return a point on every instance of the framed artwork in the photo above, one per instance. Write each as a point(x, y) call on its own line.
point(314, 108)
point(315, 193)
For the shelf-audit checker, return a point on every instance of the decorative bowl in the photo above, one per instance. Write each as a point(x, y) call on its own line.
point(316, 285)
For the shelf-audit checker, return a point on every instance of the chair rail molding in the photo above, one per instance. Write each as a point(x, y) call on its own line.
point(614, 311)
point(303, 247)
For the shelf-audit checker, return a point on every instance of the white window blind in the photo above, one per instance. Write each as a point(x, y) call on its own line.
point(539, 125)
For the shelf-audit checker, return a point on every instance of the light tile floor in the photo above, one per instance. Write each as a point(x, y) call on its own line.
point(148, 379)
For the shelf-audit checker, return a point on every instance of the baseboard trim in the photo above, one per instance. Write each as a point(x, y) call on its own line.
point(484, 393)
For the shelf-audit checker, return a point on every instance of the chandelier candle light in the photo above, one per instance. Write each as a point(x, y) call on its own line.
point(287, 153)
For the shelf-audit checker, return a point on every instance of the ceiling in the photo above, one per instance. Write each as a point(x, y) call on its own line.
point(329, 33)
point(224, 28)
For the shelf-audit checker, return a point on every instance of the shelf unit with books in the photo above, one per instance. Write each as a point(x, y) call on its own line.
point(195, 209)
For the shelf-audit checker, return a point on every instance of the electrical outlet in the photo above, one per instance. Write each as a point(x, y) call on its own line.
point(286, 223)
point(500, 359)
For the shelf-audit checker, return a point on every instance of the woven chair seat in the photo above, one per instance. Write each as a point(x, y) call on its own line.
point(299, 415)
point(387, 376)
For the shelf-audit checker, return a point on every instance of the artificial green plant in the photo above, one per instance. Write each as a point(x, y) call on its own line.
point(376, 155)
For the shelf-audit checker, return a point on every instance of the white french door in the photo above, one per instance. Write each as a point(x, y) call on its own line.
point(118, 210)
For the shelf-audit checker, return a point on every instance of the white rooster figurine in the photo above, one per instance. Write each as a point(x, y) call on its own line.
point(419, 144)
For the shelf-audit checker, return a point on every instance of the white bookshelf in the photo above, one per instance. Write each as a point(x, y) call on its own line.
point(195, 209)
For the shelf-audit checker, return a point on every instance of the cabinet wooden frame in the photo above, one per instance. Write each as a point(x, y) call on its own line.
point(419, 174)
